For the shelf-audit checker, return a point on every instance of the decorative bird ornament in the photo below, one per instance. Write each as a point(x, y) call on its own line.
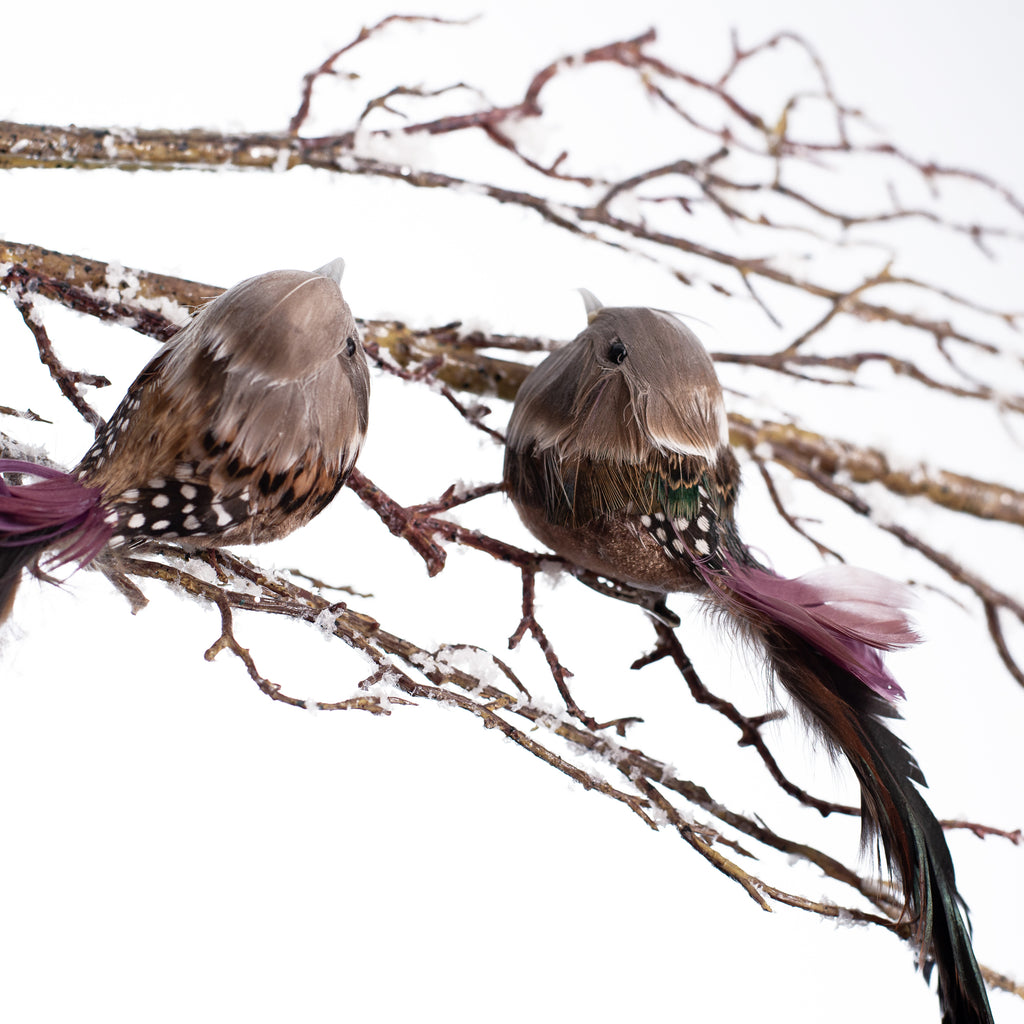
point(618, 459)
point(239, 430)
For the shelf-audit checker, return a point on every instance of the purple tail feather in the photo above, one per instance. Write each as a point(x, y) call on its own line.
point(36, 516)
point(821, 635)
point(847, 614)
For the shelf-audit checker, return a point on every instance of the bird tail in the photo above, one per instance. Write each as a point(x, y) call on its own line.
point(821, 635)
point(57, 510)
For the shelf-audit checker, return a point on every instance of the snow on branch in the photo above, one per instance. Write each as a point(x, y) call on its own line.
point(405, 672)
point(763, 173)
point(447, 360)
point(743, 176)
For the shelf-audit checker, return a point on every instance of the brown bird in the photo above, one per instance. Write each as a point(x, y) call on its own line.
point(618, 459)
point(239, 430)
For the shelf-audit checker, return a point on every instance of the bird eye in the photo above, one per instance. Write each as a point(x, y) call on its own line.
point(350, 347)
point(617, 352)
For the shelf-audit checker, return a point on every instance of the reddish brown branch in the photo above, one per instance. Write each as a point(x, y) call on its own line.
point(265, 594)
point(455, 496)
point(773, 493)
point(992, 599)
point(995, 630)
point(414, 529)
point(668, 646)
point(22, 414)
point(529, 623)
point(67, 380)
point(984, 831)
point(326, 67)
point(445, 362)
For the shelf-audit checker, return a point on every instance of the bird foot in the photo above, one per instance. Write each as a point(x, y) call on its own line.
point(652, 602)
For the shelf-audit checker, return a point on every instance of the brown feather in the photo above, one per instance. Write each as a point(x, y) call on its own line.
point(581, 402)
point(262, 385)
point(590, 435)
point(618, 459)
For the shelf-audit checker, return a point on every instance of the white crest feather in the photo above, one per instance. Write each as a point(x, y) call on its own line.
point(333, 270)
point(591, 303)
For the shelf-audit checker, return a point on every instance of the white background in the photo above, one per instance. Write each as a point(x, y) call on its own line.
point(174, 846)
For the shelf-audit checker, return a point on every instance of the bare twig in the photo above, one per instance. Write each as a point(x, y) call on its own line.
point(741, 167)
point(67, 380)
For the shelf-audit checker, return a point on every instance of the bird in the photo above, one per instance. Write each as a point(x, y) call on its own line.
point(239, 430)
point(618, 459)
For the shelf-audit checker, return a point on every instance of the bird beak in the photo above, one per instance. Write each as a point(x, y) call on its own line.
point(592, 304)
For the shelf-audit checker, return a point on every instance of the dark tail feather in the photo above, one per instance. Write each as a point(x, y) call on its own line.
point(12, 561)
point(56, 511)
point(820, 635)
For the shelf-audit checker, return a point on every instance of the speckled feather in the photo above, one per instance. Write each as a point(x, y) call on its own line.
point(239, 430)
point(246, 423)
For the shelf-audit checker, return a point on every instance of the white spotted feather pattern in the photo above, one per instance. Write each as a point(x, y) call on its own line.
point(689, 540)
